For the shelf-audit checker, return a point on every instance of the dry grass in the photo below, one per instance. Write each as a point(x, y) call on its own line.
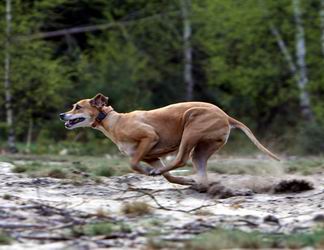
point(102, 213)
point(101, 166)
point(69, 168)
point(136, 208)
point(301, 165)
point(203, 212)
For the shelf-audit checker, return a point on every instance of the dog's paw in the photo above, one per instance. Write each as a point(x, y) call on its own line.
point(147, 170)
point(201, 188)
point(155, 172)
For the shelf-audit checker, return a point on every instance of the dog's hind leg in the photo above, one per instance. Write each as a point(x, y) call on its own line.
point(186, 145)
point(157, 163)
point(200, 155)
point(201, 125)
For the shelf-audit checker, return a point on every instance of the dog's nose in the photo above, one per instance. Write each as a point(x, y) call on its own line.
point(62, 115)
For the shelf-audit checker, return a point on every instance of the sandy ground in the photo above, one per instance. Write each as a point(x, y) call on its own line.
point(40, 208)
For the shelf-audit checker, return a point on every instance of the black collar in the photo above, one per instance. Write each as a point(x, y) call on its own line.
point(101, 116)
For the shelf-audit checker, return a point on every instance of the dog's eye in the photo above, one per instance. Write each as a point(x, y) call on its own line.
point(77, 107)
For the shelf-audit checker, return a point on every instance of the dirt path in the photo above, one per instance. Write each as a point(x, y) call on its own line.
point(36, 210)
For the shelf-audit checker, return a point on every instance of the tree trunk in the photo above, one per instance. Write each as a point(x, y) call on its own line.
point(298, 69)
point(7, 83)
point(29, 134)
point(322, 25)
point(304, 98)
point(187, 49)
point(284, 50)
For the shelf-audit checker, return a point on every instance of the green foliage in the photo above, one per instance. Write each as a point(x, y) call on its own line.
point(104, 170)
point(311, 138)
point(124, 74)
point(304, 166)
point(5, 239)
point(7, 197)
point(138, 62)
point(226, 239)
point(77, 169)
point(38, 78)
point(100, 228)
point(246, 78)
point(29, 167)
point(57, 173)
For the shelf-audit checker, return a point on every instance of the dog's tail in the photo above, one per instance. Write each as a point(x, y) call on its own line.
point(236, 124)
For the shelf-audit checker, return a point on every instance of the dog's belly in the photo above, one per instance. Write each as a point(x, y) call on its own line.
point(129, 149)
point(157, 152)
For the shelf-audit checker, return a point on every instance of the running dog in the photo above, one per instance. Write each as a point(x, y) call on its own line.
point(193, 130)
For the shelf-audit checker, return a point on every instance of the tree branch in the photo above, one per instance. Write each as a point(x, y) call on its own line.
point(90, 28)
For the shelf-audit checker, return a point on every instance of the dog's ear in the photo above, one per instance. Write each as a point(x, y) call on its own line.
point(99, 101)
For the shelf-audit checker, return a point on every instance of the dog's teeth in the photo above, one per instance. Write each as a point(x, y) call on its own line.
point(67, 124)
point(72, 122)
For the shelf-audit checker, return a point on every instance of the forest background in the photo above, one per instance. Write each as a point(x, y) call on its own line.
point(261, 61)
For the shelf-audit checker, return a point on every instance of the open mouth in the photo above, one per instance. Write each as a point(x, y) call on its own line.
point(72, 122)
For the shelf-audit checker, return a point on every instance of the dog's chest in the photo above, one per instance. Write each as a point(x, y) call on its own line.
point(126, 148)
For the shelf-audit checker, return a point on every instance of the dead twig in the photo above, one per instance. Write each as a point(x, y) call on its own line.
point(44, 237)
point(249, 222)
point(71, 224)
point(19, 207)
point(160, 206)
point(17, 225)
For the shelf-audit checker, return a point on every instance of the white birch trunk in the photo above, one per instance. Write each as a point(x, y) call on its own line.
point(187, 49)
point(7, 83)
point(322, 25)
point(281, 43)
point(284, 50)
point(301, 63)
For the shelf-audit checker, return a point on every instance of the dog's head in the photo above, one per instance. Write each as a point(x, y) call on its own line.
point(84, 112)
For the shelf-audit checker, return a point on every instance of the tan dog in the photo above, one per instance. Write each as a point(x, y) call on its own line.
point(191, 129)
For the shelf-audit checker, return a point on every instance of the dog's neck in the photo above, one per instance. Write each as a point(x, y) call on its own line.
point(107, 125)
point(102, 114)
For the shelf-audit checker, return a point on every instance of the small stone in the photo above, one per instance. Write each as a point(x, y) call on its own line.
point(319, 218)
point(271, 218)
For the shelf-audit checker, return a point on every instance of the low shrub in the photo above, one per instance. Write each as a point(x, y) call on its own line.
point(136, 208)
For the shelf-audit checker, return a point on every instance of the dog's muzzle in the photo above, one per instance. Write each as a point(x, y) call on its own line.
point(69, 121)
point(72, 122)
point(62, 116)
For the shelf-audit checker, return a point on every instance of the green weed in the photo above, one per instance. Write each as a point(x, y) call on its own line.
point(227, 239)
point(101, 228)
point(5, 239)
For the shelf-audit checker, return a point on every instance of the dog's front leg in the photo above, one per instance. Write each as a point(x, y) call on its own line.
point(179, 161)
point(144, 146)
point(141, 169)
point(157, 163)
